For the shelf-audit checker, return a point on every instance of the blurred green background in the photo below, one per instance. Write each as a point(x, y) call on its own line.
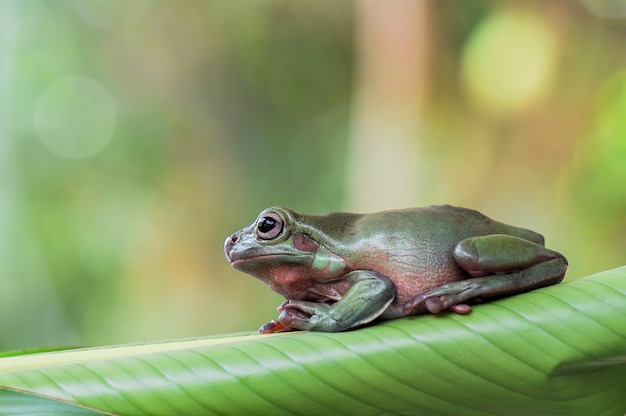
point(135, 136)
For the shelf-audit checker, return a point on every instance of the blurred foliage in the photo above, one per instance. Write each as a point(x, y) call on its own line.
point(136, 137)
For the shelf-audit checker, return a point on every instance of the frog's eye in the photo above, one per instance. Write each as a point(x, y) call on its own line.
point(269, 226)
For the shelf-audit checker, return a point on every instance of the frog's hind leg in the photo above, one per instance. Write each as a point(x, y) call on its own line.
point(499, 265)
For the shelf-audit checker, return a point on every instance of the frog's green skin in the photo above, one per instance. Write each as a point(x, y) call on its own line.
point(341, 270)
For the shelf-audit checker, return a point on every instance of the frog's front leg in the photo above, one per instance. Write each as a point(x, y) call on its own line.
point(500, 265)
point(369, 296)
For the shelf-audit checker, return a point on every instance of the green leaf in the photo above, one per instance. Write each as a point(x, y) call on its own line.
point(34, 351)
point(15, 402)
point(559, 350)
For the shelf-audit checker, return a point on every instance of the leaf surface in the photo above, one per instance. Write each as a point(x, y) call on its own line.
point(15, 402)
point(559, 350)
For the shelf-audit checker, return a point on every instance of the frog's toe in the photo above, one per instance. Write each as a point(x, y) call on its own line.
point(283, 306)
point(434, 304)
point(294, 318)
point(274, 326)
point(439, 303)
point(461, 308)
point(309, 308)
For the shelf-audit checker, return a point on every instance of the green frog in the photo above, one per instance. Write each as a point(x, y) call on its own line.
point(340, 271)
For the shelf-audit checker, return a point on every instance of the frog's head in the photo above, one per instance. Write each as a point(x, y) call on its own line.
point(282, 247)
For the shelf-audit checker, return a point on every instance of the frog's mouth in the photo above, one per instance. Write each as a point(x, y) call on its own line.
point(241, 259)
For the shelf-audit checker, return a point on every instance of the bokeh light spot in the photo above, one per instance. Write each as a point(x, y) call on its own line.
point(75, 117)
point(611, 122)
point(508, 62)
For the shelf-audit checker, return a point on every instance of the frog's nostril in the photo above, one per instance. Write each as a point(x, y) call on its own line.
point(234, 238)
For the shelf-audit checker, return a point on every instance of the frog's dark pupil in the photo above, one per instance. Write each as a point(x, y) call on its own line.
point(267, 224)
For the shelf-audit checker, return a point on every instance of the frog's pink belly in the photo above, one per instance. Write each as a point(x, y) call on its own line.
point(408, 287)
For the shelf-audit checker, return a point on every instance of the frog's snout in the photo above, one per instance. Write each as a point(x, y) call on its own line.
point(230, 242)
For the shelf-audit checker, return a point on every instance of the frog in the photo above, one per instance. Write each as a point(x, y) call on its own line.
point(341, 271)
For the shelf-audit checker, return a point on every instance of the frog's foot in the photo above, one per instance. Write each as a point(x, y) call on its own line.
point(294, 315)
point(368, 297)
point(305, 315)
point(449, 296)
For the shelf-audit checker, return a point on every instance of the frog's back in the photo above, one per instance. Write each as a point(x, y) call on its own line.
point(463, 223)
point(436, 224)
